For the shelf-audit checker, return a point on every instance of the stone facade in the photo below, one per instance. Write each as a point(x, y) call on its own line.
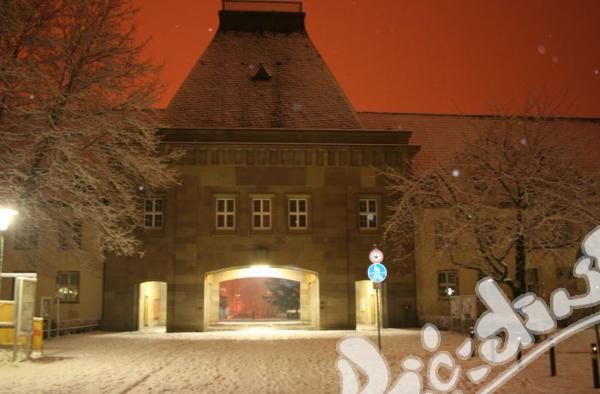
point(332, 178)
point(260, 116)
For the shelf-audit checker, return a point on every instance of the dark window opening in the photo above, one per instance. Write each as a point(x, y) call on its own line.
point(261, 74)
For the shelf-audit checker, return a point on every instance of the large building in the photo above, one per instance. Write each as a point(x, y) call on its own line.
point(279, 192)
point(279, 203)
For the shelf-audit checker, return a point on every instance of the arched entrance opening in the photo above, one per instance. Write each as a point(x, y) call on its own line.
point(261, 296)
point(152, 309)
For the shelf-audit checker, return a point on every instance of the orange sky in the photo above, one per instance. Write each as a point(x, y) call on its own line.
point(435, 56)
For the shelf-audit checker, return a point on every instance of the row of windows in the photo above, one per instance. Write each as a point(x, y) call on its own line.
point(447, 281)
point(69, 236)
point(262, 213)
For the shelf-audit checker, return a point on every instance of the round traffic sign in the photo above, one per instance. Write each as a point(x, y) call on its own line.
point(376, 256)
point(377, 272)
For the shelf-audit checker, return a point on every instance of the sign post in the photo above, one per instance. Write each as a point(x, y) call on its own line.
point(377, 274)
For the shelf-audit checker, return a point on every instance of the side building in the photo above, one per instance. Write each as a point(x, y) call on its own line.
point(438, 280)
point(69, 271)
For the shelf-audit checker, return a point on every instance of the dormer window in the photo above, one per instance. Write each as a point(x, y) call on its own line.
point(261, 74)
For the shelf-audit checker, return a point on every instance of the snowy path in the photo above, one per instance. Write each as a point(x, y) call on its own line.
point(246, 362)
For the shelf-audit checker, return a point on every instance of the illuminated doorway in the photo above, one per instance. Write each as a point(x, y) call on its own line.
point(366, 305)
point(152, 306)
point(264, 296)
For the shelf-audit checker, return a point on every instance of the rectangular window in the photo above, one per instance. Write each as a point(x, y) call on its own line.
point(261, 213)
point(26, 238)
point(225, 213)
point(67, 286)
point(367, 214)
point(70, 235)
point(153, 213)
point(298, 213)
point(447, 283)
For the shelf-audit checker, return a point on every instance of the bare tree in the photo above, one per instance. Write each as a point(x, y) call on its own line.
point(77, 138)
point(514, 188)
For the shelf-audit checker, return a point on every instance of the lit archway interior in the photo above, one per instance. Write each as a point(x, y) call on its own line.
point(152, 306)
point(261, 296)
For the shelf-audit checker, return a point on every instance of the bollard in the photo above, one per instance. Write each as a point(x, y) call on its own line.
point(37, 341)
point(595, 366)
point(552, 361)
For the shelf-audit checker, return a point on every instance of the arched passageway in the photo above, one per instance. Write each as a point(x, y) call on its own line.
point(261, 296)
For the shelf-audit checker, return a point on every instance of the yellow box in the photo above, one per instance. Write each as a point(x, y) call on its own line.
point(6, 315)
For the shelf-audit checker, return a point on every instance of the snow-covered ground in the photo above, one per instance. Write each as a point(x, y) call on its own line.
point(249, 362)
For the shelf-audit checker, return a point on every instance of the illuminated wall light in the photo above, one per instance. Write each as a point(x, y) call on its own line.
point(261, 270)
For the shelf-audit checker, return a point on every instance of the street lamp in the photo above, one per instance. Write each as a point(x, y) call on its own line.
point(6, 216)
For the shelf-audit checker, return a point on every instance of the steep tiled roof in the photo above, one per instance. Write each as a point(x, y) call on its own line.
point(441, 136)
point(220, 90)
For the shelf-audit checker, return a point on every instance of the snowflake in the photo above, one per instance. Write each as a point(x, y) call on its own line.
point(455, 173)
point(541, 49)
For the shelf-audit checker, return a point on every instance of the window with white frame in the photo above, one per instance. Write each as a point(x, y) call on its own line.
point(153, 212)
point(261, 213)
point(298, 213)
point(225, 213)
point(367, 213)
point(447, 283)
point(67, 286)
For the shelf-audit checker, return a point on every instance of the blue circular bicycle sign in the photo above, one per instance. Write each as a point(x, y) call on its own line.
point(377, 272)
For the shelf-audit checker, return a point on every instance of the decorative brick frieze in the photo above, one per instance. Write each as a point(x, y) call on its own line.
point(240, 156)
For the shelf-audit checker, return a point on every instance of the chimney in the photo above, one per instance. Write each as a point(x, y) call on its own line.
point(262, 16)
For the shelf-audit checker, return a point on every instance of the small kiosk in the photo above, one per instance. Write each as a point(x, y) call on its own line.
point(16, 316)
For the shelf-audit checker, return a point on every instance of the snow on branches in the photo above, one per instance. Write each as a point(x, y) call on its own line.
point(514, 187)
point(77, 137)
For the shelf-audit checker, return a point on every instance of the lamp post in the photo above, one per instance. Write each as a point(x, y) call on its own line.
point(6, 216)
